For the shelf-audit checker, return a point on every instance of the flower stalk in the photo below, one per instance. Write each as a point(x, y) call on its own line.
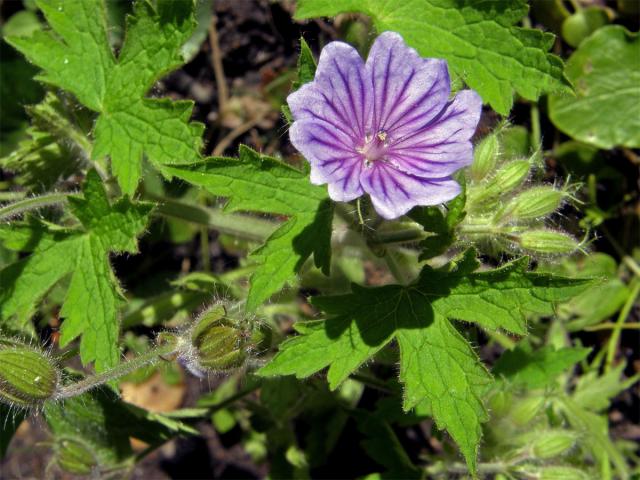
point(153, 356)
point(32, 203)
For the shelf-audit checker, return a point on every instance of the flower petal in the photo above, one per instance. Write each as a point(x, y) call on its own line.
point(442, 146)
point(394, 193)
point(339, 95)
point(407, 89)
point(331, 157)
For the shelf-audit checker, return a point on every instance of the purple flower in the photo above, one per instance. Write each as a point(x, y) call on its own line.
point(385, 127)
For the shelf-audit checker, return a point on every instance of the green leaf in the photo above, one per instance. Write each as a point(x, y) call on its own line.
point(263, 184)
point(539, 368)
point(90, 308)
point(440, 226)
point(306, 72)
point(103, 423)
point(383, 446)
point(478, 40)
point(306, 65)
point(438, 360)
point(437, 365)
point(606, 73)
point(75, 55)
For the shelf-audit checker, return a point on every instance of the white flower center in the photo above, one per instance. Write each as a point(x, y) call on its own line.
point(374, 148)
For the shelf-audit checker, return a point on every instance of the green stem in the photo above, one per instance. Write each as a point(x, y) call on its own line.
point(398, 236)
point(11, 196)
point(626, 259)
point(232, 399)
point(242, 226)
point(612, 325)
point(205, 250)
point(615, 332)
point(31, 203)
point(372, 382)
point(463, 469)
point(93, 381)
point(479, 229)
point(164, 305)
point(401, 274)
point(504, 341)
point(536, 134)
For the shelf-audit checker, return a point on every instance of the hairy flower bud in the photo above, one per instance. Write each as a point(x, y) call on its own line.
point(485, 157)
point(27, 376)
point(552, 443)
point(534, 203)
point(73, 456)
point(547, 241)
point(500, 402)
point(219, 344)
point(509, 177)
point(562, 473)
point(524, 411)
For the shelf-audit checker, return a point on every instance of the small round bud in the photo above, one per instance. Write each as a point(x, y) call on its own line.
point(73, 456)
point(524, 411)
point(485, 157)
point(549, 444)
point(534, 203)
point(547, 241)
point(27, 376)
point(562, 473)
point(218, 344)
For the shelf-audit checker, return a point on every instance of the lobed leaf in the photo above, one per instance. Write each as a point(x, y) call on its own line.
point(439, 369)
point(75, 55)
point(91, 305)
point(478, 40)
point(263, 184)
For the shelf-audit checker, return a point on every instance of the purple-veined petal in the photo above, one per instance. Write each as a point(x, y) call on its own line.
point(340, 93)
point(442, 146)
point(394, 193)
point(332, 158)
point(407, 89)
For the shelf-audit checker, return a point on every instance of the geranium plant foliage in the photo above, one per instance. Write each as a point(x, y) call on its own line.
point(400, 251)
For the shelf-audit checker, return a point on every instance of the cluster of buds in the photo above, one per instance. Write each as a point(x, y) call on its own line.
point(506, 211)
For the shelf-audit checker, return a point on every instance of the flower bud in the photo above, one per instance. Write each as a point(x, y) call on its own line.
point(500, 403)
point(485, 157)
point(27, 376)
point(547, 241)
point(562, 473)
point(508, 178)
point(511, 176)
point(73, 456)
point(552, 443)
point(526, 409)
point(218, 344)
point(536, 202)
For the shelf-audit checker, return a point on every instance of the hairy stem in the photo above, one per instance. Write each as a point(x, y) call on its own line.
point(612, 347)
point(242, 226)
point(31, 203)
point(88, 383)
point(398, 236)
